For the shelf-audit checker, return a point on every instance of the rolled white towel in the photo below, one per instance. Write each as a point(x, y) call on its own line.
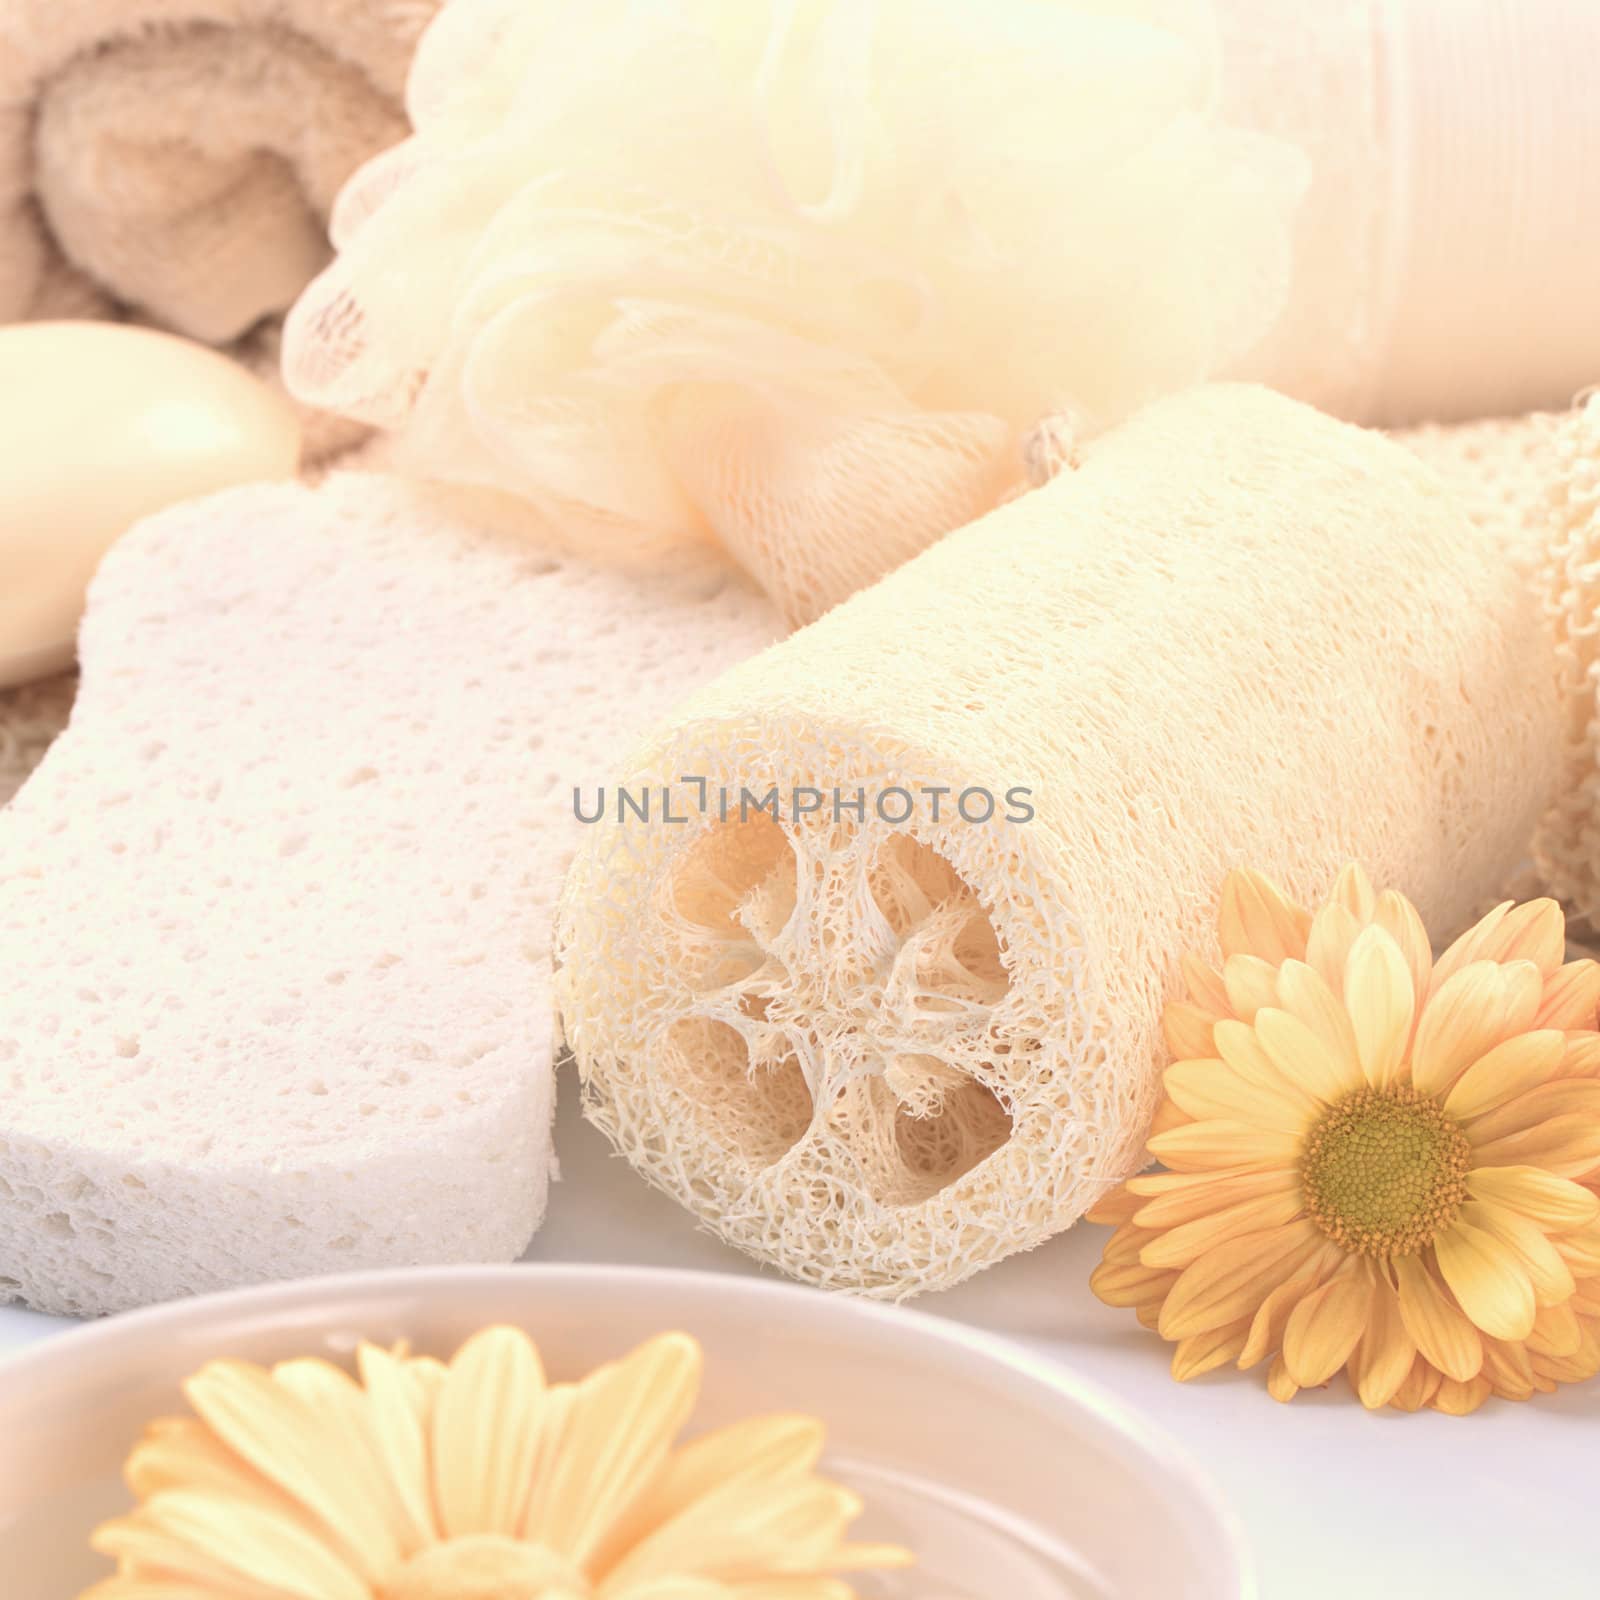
point(178, 159)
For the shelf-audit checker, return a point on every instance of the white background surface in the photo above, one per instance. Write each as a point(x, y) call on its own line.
point(1336, 1503)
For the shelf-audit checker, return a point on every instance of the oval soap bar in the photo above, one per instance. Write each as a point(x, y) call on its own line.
point(101, 424)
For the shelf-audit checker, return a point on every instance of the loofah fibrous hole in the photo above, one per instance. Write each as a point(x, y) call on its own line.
point(753, 1099)
point(852, 971)
point(940, 1146)
point(729, 900)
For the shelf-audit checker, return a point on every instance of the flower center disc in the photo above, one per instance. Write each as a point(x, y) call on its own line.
point(486, 1566)
point(1384, 1171)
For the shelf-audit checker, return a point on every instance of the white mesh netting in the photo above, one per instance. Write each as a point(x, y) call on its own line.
point(883, 1057)
point(794, 278)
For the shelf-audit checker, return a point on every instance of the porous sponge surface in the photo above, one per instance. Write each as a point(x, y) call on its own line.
point(882, 1057)
point(275, 910)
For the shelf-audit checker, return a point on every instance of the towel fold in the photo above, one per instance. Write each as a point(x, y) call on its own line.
point(176, 160)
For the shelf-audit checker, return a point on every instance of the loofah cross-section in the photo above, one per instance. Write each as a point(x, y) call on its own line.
point(275, 910)
point(885, 1054)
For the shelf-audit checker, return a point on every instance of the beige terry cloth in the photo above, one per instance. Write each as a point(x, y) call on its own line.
point(176, 160)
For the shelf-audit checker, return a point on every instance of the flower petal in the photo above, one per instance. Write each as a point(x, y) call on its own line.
point(1571, 997)
point(1536, 1106)
point(1552, 1202)
point(1169, 1115)
point(1272, 1315)
point(1326, 1326)
point(1212, 1089)
point(1580, 1249)
point(256, 1548)
point(1304, 1058)
point(787, 1522)
point(1384, 1358)
point(485, 1434)
point(1230, 1282)
point(183, 1453)
point(1461, 1399)
point(1252, 983)
point(374, 1468)
point(1176, 1247)
point(1509, 1369)
point(1444, 1334)
point(296, 1448)
point(1116, 1206)
point(1334, 930)
point(1534, 931)
point(1401, 921)
point(1556, 1331)
point(1488, 1281)
point(1186, 1028)
point(1551, 1277)
point(1473, 945)
point(1168, 1199)
point(1381, 1004)
point(763, 1449)
point(1306, 994)
point(1582, 1059)
point(1242, 1050)
point(1205, 985)
point(608, 1437)
point(1419, 1387)
point(1126, 1284)
point(1352, 889)
point(1205, 1352)
point(401, 1441)
point(1280, 1385)
point(1467, 1016)
point(1568, 1146)
point(1211, 1145)
point(1519, 1064)
point(1257, 919)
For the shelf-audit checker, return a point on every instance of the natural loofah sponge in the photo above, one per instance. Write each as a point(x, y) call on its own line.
point(274, 911)
point(884, 1055)
point(1568, 847)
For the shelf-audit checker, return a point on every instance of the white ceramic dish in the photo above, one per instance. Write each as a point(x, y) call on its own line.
point(1011, 1477)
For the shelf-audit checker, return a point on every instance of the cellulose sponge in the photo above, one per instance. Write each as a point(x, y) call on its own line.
point(275, 909)
point(882, 1046)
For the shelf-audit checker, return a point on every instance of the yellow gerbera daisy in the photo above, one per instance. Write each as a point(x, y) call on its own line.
point(1378, 1161)
point(477, 1481)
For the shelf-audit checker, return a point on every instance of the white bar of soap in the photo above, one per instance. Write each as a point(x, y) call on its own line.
point(100, 425)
